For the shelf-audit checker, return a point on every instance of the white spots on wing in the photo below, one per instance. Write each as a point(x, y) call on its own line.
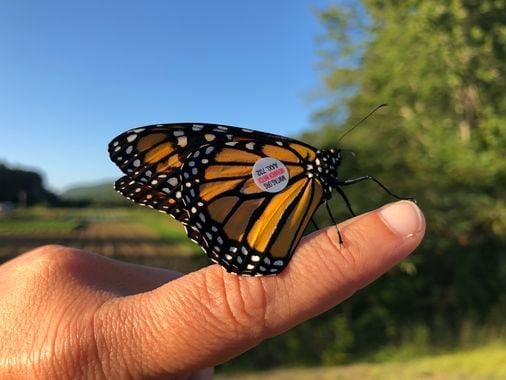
point(192, 192)
point(118, 148)
point(280, 143)
point(250, 266)
point(278, 263)
point(233, 249)
point(193, 210)
point(167, 190)
point(172, 181)
point(220, 240)
point(244, 251)
point(182, 141)
point(137, 163)
point(148, 173)
point(231, 143)
point(197, 127)
point(205, 161)
point(209, 236)
point(195, 171)
point(222, 128)
point(178, 133)
point(209, 137)
point(178, 195)
point(209, 149)
point(154, 182)
point(267, 260)
point(191, 163)
point(239, 259)
point(129, 149)
point(255, 258)
point(115, 143)
point(131, 137)
point(228, 257)
point(196, 154)
point(247, 130)
point(138, 190)
point(250, 145)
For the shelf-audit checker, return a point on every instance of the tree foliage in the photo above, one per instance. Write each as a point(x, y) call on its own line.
point(23, 187)
point(441, 66)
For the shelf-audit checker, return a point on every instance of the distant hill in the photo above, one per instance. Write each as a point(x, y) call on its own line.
point(98, 194)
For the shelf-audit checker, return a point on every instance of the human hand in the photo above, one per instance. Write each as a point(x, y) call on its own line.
point(66, 313)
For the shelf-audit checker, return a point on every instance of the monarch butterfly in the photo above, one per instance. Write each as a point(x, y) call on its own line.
point(244, 196)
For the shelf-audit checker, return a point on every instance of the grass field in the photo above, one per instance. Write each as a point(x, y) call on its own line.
point(132, 234)
point(484, 363)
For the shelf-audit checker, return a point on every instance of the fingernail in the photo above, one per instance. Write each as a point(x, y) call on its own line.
point(404, 218)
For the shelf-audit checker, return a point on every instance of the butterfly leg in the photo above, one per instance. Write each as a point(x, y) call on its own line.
point(346, 200)
point(335, 223)
point(314, 224)
point(370, 178)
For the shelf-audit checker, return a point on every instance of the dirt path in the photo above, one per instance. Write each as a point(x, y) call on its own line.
point(120, 240)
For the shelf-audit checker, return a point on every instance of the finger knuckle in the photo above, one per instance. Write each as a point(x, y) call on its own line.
point(236, 303)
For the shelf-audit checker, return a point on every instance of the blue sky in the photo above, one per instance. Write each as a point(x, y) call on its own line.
point(73, 75)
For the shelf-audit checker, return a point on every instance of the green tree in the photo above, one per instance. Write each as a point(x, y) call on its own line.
point(23, 187)
point(441, 66)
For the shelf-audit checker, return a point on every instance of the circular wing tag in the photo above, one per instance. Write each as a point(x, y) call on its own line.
point(270, 174)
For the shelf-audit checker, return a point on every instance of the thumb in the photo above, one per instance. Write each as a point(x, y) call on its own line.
point(209, 316)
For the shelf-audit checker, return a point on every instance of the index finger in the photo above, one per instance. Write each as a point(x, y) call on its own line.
point(209, 316)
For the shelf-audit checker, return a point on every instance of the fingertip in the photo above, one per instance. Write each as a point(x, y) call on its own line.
point(403, 218)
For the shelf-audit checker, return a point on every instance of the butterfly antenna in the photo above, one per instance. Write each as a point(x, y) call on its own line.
point(361, 121)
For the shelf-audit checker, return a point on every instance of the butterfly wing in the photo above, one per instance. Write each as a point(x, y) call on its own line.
point(202, 175)
point(145, 195)
point(238, 224)
point(152, 156)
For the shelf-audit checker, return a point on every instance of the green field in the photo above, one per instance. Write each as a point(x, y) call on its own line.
point(484, 363)
point(132, 234)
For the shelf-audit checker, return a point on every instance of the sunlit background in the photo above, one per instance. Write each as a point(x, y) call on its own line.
point(74, 75)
